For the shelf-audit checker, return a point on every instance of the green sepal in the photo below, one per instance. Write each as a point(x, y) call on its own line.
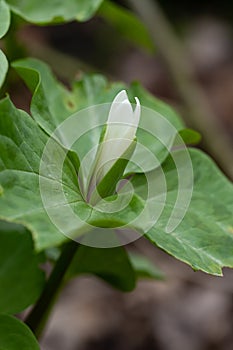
point(107, 185)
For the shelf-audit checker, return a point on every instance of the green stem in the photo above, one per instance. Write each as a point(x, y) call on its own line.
point(37, 318)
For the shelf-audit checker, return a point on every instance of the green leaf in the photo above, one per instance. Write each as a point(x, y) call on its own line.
point(3, 67)
point(52, 104)
point(190, 137)
point(21, 280)
point(111, 264)
point(15, 335)
point(22, 144)
point(144, 268)
point(4, 18)
point(127, 24)
point(54, 11)
point(204, 238)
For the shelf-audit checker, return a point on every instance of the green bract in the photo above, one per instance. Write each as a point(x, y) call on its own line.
point(203, 239)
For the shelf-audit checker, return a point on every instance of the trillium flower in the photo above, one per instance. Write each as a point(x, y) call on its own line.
point(119, 135)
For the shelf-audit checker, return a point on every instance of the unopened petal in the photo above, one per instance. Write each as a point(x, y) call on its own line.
point(120, 132)
point(120, 112)
point(137, 112)
point(120, 97)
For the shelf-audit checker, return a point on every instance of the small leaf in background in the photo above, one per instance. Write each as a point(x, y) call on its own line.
point(54, 11)
point(144, 268)
point(21, 279)
point(127, 24)
point(190, 137)
point(5, 18)
point(112, 265)
point(15, 335)
point(3, 67)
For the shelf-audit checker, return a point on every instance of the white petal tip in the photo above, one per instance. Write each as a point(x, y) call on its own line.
point(137, 111)
point(121, 97)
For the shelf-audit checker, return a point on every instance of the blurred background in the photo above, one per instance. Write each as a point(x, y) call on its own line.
point(188, 62)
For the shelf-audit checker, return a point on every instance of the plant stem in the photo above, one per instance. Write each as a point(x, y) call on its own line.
point(37, 318)
point(197, 106)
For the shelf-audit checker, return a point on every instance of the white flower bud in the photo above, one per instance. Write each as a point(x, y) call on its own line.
point(120, 132)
